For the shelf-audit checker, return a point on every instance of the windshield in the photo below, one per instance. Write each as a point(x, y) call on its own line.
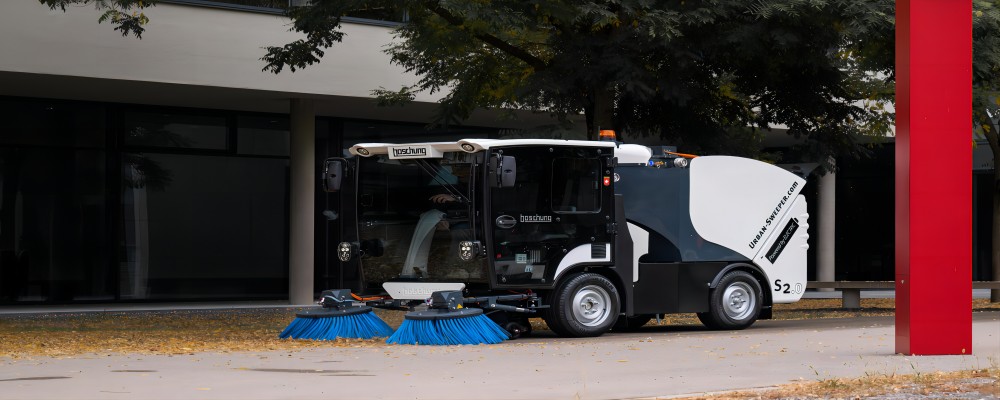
point(412, 216)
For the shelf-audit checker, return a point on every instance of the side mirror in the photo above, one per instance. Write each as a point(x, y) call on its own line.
point(503, 171)
point(333, 174)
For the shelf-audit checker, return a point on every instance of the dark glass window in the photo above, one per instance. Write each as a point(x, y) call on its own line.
point(203, 227)
point(51, 123)
point(576, 185)
point(379, 13)
point(53, 233)
point(410, 219)
point(267, 136)
point(276, 4)
point(390, 13)
point(154, 129)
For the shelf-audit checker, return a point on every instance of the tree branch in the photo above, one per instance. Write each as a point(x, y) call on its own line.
point(517, 52)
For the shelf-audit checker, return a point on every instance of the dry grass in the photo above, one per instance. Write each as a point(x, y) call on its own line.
point(186, 332)
point(190, 332)
point(977, 384)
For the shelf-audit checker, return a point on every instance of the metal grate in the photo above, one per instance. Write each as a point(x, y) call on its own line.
point(598, 251)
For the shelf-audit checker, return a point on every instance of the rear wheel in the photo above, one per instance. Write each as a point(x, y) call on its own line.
point(583, 305)
point(735, 303)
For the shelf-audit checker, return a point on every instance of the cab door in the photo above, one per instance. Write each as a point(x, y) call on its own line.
point(559, 200)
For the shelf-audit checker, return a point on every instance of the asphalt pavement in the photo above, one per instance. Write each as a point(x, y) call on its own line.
point(655, 362)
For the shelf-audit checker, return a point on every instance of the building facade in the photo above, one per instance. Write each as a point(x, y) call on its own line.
point(173, 168)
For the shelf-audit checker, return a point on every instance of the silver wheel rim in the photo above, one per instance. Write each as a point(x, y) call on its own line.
point(590, 305)
point(739, 301)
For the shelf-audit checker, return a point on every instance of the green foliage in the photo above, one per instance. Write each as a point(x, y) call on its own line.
point(985, 63)
point(126, 15)
point(707, 75)
point(695, 73)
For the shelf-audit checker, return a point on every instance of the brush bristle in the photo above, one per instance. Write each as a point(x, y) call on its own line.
point(356, 326)
point(478, 329)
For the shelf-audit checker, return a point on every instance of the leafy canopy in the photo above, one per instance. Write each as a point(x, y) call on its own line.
point(702, 74)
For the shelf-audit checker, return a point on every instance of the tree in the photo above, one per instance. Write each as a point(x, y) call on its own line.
point(703, 74)
point(986, 104)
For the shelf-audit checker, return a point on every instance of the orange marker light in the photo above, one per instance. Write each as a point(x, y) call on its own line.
point(607, 135)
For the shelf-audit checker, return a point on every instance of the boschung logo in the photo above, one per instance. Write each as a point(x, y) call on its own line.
point(409, 152)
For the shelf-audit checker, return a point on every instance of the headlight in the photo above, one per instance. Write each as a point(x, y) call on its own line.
point(468, 249)
point(345, 250)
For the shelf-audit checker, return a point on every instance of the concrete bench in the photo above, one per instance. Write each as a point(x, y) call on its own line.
point(851, 290)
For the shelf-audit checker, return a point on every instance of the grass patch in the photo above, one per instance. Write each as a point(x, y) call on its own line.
point(976, 383)
point(188, 332)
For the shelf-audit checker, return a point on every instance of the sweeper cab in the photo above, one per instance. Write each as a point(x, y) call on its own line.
point(588, 235)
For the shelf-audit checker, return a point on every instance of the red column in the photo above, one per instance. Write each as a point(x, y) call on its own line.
point(933, 177)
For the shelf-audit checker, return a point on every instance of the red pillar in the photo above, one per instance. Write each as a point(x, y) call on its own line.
point(933, 177)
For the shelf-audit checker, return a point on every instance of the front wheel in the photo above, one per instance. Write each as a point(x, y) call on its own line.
point(735, 303)
point(583, 305)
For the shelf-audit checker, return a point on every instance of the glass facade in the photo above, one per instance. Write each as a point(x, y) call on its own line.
point(176, 130)
point(53, 225)
point(107, 202)
point(53, 202)
point(373, 12)
point(212, 227)
point(865, 247)
point(104, 203)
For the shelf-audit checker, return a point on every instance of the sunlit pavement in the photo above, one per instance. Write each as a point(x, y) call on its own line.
point(658, 361)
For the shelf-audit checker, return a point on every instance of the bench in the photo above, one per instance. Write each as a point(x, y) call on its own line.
point(851, 290)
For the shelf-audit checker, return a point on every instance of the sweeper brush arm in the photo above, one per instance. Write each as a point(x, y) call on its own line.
point(494, 303)
point(454, 300)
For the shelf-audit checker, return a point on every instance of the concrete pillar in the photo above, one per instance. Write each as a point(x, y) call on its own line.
point(826, 229)
point(301, 207)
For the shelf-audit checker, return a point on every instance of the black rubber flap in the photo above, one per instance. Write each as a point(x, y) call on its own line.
point(438, 314)
point(333, 312)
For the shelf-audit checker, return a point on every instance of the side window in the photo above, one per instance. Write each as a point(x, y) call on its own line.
point(576, 185)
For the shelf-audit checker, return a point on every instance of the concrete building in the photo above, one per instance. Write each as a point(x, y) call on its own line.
point(173, 168)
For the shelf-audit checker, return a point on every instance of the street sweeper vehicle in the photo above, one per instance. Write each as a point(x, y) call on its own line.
point(588, 235)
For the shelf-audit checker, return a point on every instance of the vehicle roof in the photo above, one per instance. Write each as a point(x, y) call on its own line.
point(477, 145)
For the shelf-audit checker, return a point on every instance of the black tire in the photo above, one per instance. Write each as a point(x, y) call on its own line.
point(518, 329)
point(630, 324)
point(735, 303)
point(583, 305)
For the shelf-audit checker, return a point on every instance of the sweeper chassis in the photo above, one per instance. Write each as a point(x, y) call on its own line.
point(509, 311)
point(609, 235)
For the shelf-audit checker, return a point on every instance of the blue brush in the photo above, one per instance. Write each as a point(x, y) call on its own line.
point(449, 325)
point(330, 324)
point(337, 319)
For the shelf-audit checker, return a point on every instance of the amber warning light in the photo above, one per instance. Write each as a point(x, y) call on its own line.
point(607, 135)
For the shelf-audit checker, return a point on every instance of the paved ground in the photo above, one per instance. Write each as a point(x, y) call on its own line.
point(655, 362)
